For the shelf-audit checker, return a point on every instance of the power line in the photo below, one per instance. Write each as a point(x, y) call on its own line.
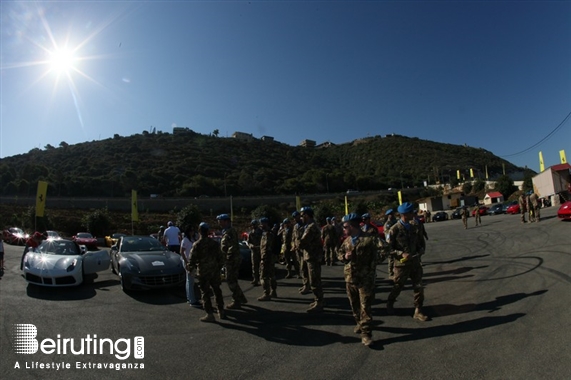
point(542, 140)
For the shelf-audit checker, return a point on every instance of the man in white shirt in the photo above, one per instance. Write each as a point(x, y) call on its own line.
point(185, 248)
point(172, 238)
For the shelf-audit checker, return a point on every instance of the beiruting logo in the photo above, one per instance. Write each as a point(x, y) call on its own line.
point(25, 342)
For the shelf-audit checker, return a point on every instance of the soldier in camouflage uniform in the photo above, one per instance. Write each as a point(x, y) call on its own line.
point(291, 262)
point(295, 238)
point(477, 217)
point(329, 237)
point(368, 227)
point(208, 259)
point(407, 245)
point(535, 206)
point(267, 264)
point(359, 252)
point(464, 214)
point(231, 249)
point(310, 244)
point(253, 241)
point(391, 220)
point(522, 201)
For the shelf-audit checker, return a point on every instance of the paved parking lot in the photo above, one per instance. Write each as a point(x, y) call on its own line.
point(497, 294)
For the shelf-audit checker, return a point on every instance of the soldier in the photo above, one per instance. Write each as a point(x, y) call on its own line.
point(292, 265)
point(310, 244)
point(391, 220)
point(206, 256)
point(295, 237)
point(253, 241)
point(407, 245)
point(231, 249)
point(533, 199)
point(522, 206)
point(329, 237)
point(464, 213)
point(476, 212)
point(368, 227)
point(267, 264)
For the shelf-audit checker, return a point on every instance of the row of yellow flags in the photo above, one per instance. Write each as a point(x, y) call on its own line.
point(43, 189)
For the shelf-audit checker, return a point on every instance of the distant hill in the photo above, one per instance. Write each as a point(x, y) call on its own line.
point(189, 164)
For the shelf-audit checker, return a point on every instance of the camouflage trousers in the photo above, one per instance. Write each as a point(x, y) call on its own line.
point(403, 273)
point(361, 298)
point(205, 284)
point(465, 222)
point(268, 276)
point(302, 269)
point(534, 214)
point(523, 211)
point(291, 261)
point(314, 278)
point(330, 255)
point(256, 259)
point(232, 269)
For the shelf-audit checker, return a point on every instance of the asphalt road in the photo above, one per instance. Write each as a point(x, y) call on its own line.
point(498, 298)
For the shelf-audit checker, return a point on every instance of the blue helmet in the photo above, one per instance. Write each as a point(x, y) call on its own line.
point(223, 217)
point(351, 217)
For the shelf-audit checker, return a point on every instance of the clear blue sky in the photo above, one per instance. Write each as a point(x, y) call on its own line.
point(491, 74)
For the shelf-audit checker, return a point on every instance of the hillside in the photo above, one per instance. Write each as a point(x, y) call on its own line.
point(192, 165)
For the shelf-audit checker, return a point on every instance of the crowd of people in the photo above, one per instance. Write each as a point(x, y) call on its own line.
point(302, 246)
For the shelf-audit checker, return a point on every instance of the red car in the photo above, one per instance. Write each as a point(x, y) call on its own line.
point(15, 235)
point(85, 238)
point(564, 211)
point(482, 210)
point(513, 209)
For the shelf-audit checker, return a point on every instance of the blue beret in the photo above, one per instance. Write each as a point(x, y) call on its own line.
point(350, 217)
point(328, 219)
point(286, 220)
point(254, 222)
point(264, 220)
point(389, 211)
point(204, 226)
point(366, 216)
point(223, 217)
point(294, 214)
point(406, 208)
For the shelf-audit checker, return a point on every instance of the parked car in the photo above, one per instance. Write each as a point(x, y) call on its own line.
point(53, 235)
point(85, 239)
point(113, 239)
point(496, 209)
point(564, 211)
point(513, 209)
point(456, 214)
point(440, 216)
point(15, 235)
point(482, 210)
point(61, 262)
point(142, 262)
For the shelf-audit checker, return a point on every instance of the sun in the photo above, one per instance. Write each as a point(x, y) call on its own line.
point(62, 60)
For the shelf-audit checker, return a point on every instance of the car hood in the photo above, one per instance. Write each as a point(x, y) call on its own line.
point(40, 261)
point(151, 262)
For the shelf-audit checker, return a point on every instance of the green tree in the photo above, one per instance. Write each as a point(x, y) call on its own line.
point(189, 216)
point(97, 222)
point(505, 185)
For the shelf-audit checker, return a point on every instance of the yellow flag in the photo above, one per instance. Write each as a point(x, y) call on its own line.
point(541, 165)
point(504, 168)
point(458, 174)
point(471, 173)
point(346, 206)
point(134, 208)
point(486, 171)
point(562, 156)
point(41, 198)
point(400, 198)
point(298, 202)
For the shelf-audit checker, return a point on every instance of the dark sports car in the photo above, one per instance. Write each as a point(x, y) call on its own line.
point(496, 209)
point(142, 262)
point(440, 216)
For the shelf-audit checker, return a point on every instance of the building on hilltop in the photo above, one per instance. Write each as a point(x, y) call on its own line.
point(243, 136)
point(308, 143)
point(267, 138)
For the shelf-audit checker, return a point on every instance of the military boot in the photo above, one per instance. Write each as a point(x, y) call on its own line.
point(419, 315)
point(289, 274)
point(274, 294)
point(222, 314)
point(390, 307)
point(304, 290)
point(366, 340)
point(208, 318)
point(234, 305)
point(265, 297)
point(316, 307)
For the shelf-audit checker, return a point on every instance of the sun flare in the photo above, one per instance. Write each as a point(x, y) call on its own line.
point(62, 60)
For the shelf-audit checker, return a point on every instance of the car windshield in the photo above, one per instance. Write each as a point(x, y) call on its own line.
point(117, 236)
point(53, 234)
point(59, 247)
point(16, 231)
point(141, 244)
point(84, 235)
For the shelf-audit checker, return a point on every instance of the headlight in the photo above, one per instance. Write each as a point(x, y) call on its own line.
point(72, 265)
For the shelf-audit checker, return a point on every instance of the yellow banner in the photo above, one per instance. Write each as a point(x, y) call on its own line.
point(346, 206)
point(471, 173)
point(504, 168)
point(134, 208)
point(541, 164)
point(562, 156)
point(298, 202)
point(400, 198)
point(458, 174)
point(486, 171)
point(41, 198)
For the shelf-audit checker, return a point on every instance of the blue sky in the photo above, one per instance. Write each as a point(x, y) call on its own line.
point(490, 74)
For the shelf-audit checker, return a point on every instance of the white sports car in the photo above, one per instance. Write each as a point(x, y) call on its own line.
point(63, 263)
